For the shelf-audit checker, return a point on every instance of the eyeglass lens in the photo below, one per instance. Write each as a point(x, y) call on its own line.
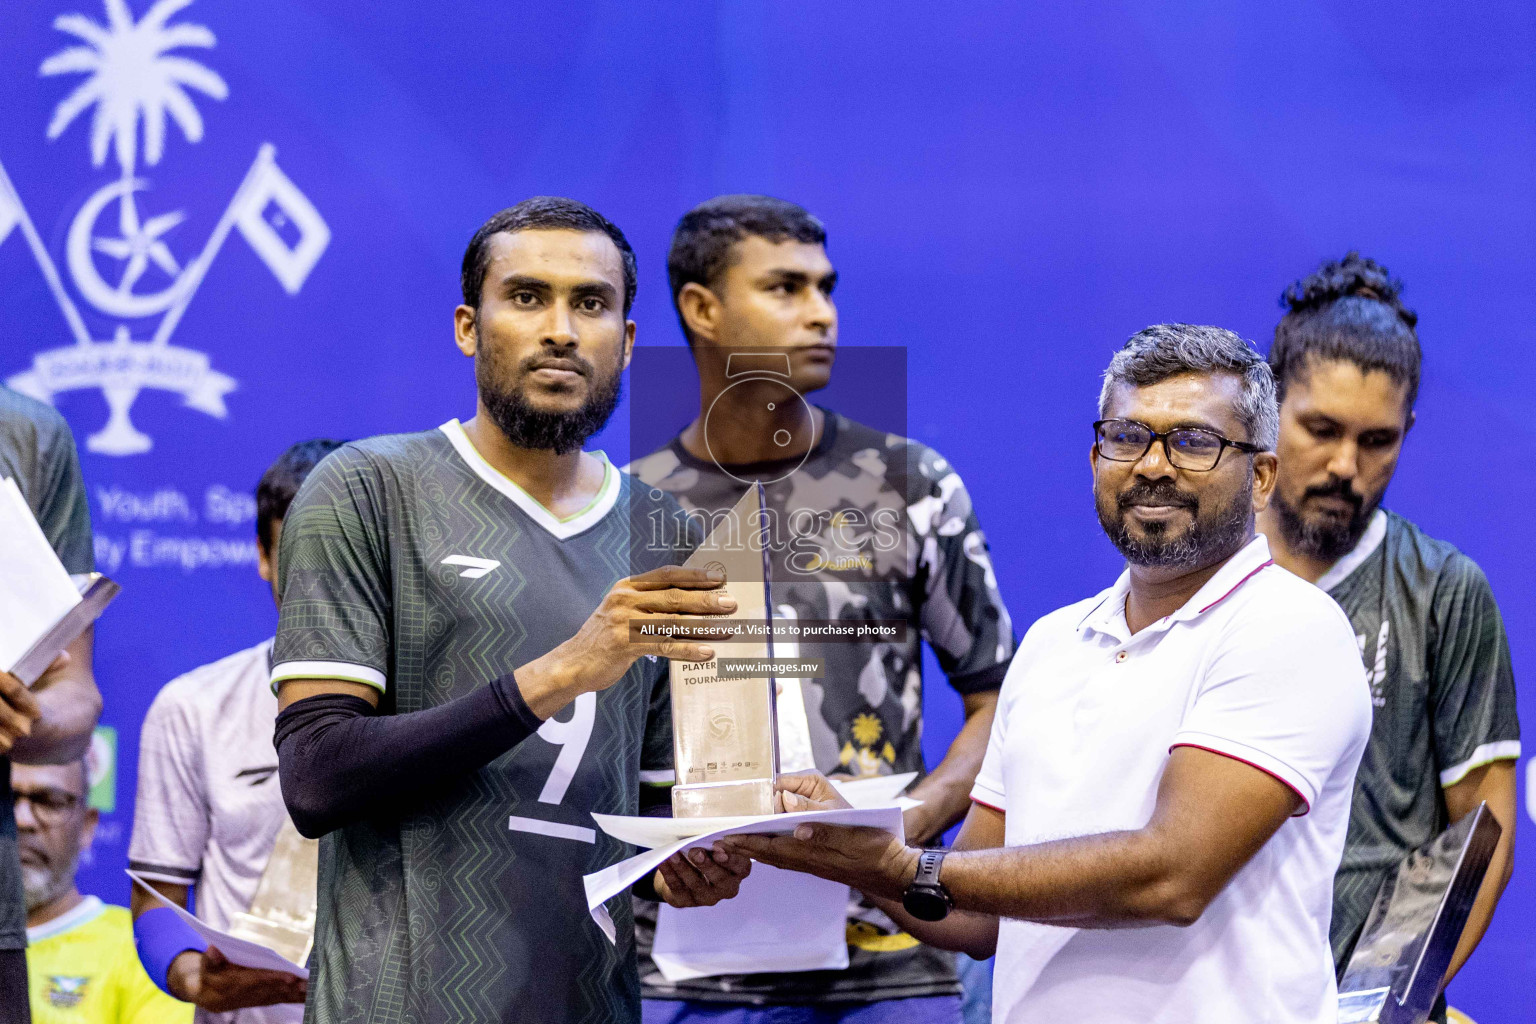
point(1187, 447)
point(47, 803)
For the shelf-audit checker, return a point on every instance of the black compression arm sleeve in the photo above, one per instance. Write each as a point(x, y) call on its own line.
point(340, 761)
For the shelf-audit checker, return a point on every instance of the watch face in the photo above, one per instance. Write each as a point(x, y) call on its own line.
point(925, 904)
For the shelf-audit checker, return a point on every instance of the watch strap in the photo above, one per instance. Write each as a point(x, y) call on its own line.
point(929, 863)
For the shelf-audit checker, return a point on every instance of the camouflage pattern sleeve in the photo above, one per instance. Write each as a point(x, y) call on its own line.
point(1472, 684)
point(962, 614)
point(333, 575)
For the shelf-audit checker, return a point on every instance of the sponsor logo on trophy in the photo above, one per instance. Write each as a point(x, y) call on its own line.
point(118, 251)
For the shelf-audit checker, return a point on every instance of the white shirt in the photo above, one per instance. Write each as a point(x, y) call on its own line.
point(1260, 666)
point(209, 805)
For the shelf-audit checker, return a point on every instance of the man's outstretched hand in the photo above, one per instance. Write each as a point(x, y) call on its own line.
point(701, 878)
point(212, 983)
point(809, 791)
point(872, 861)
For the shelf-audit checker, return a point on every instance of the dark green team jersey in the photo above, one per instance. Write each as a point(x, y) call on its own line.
point(38, 452)
point(1443, 690)
point(409, 563)
point(867, 526)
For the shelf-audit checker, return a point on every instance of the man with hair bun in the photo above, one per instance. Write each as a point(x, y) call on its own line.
point(1445, 736)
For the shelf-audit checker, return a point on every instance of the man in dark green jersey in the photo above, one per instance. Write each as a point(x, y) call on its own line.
point(1445, 736)
point(52, 722)
point(868, 526)
point(458, 689)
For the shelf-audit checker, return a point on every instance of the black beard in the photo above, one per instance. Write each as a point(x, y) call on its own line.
point(1325, 537)
point(527, 427)
point(1208, 538)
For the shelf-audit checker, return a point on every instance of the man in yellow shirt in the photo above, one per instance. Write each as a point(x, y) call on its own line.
point(80, 956)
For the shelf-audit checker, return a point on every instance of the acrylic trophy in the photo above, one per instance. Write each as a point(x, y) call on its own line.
point(1395, 971)
point(725, 730)
point(282, 914)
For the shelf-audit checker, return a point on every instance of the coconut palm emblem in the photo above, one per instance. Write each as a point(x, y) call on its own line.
point(138, 80)
point(131, 75)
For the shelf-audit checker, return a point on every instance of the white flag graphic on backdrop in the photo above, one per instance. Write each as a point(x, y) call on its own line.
point(10, 209)
point(272, 207)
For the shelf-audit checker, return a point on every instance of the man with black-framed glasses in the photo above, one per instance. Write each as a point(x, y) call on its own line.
point(1166, 790)
point(83, 965)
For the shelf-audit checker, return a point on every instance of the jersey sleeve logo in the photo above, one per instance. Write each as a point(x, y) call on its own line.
point(474, 567)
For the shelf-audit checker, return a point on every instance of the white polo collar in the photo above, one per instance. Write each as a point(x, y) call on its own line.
point(1108, 615)
point(85, 911)
point(1364, 548)
point(559, 528)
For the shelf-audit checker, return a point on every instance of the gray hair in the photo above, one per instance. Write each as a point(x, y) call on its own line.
point(1162, 351)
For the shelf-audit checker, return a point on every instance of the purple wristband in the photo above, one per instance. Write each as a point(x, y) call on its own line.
point(161, 936)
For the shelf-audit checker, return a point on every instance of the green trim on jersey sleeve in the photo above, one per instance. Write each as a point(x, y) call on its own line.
point(346, 672)
point(1488, 753)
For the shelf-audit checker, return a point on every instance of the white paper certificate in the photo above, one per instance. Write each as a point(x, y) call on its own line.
point(781, 921)
point(615, 879)
point(241, 952)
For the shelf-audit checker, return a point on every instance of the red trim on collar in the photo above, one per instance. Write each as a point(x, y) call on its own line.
point(1239, 583)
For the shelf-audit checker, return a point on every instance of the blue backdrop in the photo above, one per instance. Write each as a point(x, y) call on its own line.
point(1011, 190)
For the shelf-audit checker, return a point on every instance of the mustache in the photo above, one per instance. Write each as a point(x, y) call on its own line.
point(573, 362)
point(1335, 488)
point(39, 858)
point(1162, 492)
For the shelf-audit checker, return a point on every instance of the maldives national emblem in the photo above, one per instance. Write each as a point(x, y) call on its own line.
point(116, 251)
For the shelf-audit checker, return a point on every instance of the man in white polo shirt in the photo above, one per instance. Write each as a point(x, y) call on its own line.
point(1165, 797)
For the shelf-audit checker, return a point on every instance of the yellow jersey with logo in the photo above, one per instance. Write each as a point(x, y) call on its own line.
point(84, 969)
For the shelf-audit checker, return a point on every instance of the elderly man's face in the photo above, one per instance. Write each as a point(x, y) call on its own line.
point(1158, 514)
point(53, 824)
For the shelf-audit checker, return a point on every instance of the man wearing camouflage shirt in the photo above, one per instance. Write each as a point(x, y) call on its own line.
point(867, 525)
point(1445, 737)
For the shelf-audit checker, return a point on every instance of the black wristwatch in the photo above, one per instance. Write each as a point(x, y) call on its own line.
point(926, 899)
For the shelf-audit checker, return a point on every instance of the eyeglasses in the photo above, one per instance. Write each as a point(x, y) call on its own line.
point(1192, 448)
point(50, 805)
